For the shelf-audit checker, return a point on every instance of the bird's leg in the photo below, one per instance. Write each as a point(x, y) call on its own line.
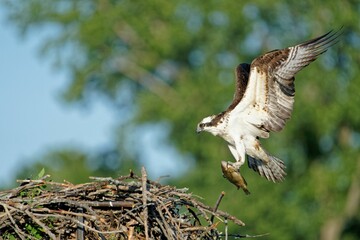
point(238, 151)
point(237, 165)
point(240, 148)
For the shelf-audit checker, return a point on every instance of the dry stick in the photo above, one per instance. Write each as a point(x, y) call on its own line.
point(105, 179)
point(78, 222)
point(43, 226)
point(5, 214)
point(169, 214)
point(201, 210)
point(248, 236)
point(219, 213)
point(17, 229)
point(144, 199)
point(167, 227)
point(217, 205)
point(194, 215)
point(230, 217)
point(163, 229)
point(80, 229)
point(215, 209)
point(73, 203)
point(120, 185)
point(109, 204)
point(30, 184)
point(226, 229)
point(134, 216)
point(131, 232)
point(197, 228)
point(208, 230)
point(41, 210)
point(204, 229)
point(41, 180)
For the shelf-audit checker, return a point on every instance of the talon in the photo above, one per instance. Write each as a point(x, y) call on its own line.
point(236, 165)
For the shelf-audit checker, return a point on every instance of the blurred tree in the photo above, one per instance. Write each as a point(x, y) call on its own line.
point(170, 63)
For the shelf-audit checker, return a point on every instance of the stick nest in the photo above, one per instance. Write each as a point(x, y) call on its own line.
point(129, 207)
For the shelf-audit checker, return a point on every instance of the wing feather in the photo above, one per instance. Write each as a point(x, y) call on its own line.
point(271, 88)
point(241, 80)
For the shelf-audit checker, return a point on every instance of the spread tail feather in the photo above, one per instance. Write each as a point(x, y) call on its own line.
point(274, 170)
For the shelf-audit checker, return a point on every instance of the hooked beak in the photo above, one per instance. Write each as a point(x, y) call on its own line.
point(198, 130)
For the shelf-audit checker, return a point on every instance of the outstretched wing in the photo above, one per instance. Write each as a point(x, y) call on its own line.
point(271, 88)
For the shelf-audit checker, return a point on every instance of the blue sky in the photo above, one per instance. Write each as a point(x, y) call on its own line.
point(32, 118)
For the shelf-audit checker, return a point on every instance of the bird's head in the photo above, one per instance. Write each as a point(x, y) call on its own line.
point(206, 125)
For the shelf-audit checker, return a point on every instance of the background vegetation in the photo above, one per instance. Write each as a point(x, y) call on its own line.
point(167, 64)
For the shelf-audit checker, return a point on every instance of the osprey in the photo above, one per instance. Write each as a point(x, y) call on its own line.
point(262, 103)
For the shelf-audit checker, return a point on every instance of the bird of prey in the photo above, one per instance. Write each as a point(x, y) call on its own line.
point(262, 103)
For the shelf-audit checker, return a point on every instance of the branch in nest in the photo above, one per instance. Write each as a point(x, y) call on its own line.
point(127, 207)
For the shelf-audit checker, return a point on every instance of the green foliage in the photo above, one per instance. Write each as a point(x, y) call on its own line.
point(172, 62)
point(41, 173)
point(33, 192)
point(8, 236)
point(34, 231)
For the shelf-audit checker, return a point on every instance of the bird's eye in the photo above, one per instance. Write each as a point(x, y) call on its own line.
point(201, 125)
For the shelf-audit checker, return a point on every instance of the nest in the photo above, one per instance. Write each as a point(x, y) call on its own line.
point(129, 207)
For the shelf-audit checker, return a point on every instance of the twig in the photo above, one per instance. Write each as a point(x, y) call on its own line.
point(201, 209)
point(111, 204)
point(220, 213)
point(217, 205)
point(80, 231)
point(17, 229)
point(194, 215)
point(77, 222)
point(166, 229)
point(144, 199)
point(46, 210)
point(226, 228)
point(246, 235)
point(43, 226)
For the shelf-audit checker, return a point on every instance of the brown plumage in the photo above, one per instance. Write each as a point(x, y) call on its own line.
point(280, 67)
point(263, 102)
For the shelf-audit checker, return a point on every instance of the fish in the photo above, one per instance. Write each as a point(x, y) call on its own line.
point(233, 175)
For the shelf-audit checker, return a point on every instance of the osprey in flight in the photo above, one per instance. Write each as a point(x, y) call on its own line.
point(262, 103)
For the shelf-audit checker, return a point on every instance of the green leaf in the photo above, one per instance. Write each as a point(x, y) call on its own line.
point(41, 173)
